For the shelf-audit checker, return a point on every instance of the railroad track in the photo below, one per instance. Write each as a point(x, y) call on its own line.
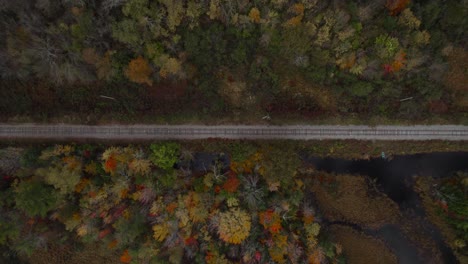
point(299, 132)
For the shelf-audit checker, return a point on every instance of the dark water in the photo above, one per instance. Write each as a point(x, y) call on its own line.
point(406, 251)
point(395, 178)
point(401, 246)
point(202, 162)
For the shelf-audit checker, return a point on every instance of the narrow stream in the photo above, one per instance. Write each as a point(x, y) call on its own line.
point(395, 178)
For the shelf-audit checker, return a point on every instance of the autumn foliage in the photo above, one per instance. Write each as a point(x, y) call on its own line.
point(231, 184)
point(397, 64)
point(399, 61)
point(234, 226)
point(139, 71)
point(396, 6)
point(104, 233)
point(125, 258)
point(270, 220)
point(137, 215)
point(110, 165)
point(191, 54)
point(298, 11)
point(254, 15)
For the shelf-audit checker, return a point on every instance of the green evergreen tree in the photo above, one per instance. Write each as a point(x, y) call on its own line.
point(35, 198)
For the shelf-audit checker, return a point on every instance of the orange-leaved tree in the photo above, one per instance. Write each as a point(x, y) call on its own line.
point(139, 71)
point(399, 61)
point(125, 257)
point(231, 184)
point(396, 6)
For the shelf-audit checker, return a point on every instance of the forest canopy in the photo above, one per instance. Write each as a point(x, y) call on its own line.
point(150, 204)
point(315, 58)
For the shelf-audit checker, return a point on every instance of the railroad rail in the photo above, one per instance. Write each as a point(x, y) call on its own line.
point(299, 132)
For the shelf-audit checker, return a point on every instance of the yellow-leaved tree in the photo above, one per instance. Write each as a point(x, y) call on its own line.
point(139, 167)
point(172, 67)
point(234, 226)
point(254, 15)
point(160, 231)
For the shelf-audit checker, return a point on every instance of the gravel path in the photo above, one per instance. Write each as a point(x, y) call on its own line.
point(299, 132)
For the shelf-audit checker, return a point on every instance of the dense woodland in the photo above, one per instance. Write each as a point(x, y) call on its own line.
point(212, 58)
point(150, 204)
point(228, 202)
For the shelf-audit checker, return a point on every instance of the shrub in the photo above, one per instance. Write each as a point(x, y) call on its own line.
point(8, 230)
point(10, 159)
point(280, 167)
point(241, 151)
point(361, 89)
point(454, 196)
